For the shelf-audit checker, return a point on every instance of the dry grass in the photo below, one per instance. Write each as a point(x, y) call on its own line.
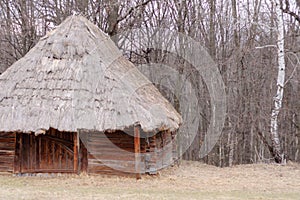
point(191, 180)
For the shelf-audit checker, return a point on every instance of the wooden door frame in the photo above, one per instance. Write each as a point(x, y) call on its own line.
point(18, 157)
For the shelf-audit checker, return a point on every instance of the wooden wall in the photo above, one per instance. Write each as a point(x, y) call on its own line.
point(105, 155)
point(157, 151)
point(7, 151)
point(50, 152)
point(164, 149)
point(110, 153)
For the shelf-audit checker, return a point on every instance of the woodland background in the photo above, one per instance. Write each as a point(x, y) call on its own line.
point(240, 35)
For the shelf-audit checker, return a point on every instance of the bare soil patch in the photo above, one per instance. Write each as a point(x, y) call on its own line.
point(192, 180)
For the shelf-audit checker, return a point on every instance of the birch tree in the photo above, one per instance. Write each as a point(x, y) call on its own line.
point(277, 151)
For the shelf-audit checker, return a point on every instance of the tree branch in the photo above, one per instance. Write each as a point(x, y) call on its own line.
point(288, 11)
point(132, 9)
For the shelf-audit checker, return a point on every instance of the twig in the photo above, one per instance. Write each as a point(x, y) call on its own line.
point(266, 46)
point(294, 70)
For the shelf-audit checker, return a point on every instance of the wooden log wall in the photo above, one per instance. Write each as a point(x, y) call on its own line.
point(148, 149)
point(158, 151)
point(100, 153)
point(104, 155)
point(164, 149)
point(7, 151)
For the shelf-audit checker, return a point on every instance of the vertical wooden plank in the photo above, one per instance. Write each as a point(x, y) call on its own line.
point(21, 157)
point(17, 156)
point(31, 153)
point(137, 150)
point(37, 153)
point(46, 152)
point(60, 153)
point(40, 152)
point(53, 155)
point(49, 153)
point(76, 149)
point(84, 158)
point(56, 149)
point(25, 151)
point(151, 155)
point(52, 158)
point(83, 136)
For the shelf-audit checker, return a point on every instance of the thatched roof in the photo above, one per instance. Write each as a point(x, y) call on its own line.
point(76, 78)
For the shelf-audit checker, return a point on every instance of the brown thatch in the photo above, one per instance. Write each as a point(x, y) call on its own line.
point(76, 78)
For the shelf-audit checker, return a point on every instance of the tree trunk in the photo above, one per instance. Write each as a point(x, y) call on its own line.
point(112, 18)
point(212, 31)
point(277, 151)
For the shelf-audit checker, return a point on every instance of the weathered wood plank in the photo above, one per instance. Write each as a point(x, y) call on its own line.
point(76, 151)
point(37, 154)
point(84, 158)
point(137, 151)
point(110, 155)
point(47, 170)
point(17, 157)
point(108, 145)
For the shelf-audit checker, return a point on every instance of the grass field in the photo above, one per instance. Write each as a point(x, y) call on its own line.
point(192, 180)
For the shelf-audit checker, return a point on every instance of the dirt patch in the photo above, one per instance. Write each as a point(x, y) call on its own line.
point(192, 180)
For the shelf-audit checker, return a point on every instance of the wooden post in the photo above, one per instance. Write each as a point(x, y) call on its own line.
point(137, 150)
point(76, 148)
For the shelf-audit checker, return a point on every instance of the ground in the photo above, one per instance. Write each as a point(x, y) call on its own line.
point(192, 180)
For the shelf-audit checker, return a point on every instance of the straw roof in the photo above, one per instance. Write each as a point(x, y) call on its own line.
point(76, 78)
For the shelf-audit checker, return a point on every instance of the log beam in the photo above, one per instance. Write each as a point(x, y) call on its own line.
point(76, 152)
point(137, 151)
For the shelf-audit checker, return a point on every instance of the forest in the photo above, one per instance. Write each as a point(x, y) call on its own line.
point(255, 45)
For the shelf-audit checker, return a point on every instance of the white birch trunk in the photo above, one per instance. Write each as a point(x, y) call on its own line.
point(277, 152)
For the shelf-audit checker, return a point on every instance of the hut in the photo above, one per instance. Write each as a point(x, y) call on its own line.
point(74, 104)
